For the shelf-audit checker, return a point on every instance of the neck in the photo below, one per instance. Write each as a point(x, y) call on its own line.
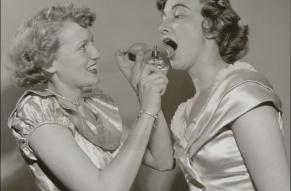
point(68, 92)
point(206, 67)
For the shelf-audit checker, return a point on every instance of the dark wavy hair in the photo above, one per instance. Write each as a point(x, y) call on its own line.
point(221, 23)
point(36, 42)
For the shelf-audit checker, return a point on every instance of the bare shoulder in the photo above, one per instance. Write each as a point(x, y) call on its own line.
point(264, 114)
point(260, 142)
point(259, 125)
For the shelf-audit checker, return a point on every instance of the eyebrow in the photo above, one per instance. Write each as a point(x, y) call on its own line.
point(82, 42)
point(180, 5)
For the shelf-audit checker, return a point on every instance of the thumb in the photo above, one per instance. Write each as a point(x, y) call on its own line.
point(139, 57)
point(138, 61)
point(119, 56)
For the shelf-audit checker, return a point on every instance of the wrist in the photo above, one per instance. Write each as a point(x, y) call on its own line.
point(150, 114)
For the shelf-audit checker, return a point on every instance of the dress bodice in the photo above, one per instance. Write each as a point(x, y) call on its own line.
point(36, 108)
point(206, 149)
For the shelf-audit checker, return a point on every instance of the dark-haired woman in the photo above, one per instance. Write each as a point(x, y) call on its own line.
point(228, 136)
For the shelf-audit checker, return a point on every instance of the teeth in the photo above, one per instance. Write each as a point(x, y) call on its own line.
point(92, 67)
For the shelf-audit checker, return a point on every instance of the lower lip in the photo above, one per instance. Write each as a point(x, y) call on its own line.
point(94, 71)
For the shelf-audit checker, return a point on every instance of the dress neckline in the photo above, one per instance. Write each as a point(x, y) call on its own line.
point(179, 127)
point(220, 76)
point(75, 102)
point(184, 108)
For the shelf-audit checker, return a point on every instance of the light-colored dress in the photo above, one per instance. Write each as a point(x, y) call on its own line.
point(205, 148)
point(36, 108)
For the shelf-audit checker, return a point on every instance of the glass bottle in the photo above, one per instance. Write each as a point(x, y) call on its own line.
point(157, 61)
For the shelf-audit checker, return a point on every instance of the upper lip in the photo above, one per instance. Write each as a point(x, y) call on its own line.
point(92, 66)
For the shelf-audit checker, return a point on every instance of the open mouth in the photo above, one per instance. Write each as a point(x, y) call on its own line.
point(171, 47)
point(93, 68)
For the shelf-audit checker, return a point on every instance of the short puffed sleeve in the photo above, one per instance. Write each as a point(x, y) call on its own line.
point(235, 96)
point(31, 112)
point(245, 97)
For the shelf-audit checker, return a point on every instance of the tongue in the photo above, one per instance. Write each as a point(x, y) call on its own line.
point(170, 51)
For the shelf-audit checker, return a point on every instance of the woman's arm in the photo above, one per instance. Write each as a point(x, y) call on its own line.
point(56, 147)
point(159, 154)
point(260, 141)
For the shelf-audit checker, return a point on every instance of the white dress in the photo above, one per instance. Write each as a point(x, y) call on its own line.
point(205, 148)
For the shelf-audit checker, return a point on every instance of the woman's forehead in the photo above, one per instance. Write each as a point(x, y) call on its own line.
point(73, 33)
point(172, 4)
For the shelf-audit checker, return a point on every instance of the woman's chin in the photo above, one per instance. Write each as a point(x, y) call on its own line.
point(92, 82)
point(178, 63)
point(96, 81)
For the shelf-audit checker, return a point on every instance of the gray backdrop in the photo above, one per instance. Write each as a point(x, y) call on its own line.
point(123, 22)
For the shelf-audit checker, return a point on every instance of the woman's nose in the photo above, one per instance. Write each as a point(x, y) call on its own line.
point(94, 53)
point(164, 27)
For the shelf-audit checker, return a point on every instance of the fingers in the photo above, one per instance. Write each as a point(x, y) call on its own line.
point(149, 69)
point(157, 87)
point(157, 80)
point(124, 64)
point(120, 55)
point(121, 59)
point(162, 88)
point(137, 69)
point(154, 76)
point(139, 58)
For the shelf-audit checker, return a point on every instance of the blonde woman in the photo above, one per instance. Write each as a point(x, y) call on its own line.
point(70, 133)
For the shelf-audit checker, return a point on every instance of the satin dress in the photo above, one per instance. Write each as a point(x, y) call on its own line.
point(36, 108)
point(205, 148)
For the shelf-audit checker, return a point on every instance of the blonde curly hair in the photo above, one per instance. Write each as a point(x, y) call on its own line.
point(36, 42)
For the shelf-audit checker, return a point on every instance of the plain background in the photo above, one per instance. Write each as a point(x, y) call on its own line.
point(121, 23)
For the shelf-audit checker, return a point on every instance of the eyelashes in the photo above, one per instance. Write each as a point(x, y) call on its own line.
point(85, 43)
point(84, 46)
point(179, 16)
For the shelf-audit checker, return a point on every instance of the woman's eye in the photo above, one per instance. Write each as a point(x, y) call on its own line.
point(179, 16)
point(180, 13)
point(83, 47)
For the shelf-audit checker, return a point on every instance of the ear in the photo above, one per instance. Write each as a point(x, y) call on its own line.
point(207, 28)
point(51, 68)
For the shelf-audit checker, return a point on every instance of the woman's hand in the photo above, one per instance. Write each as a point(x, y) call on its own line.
point(132, 69)
point(151, 87)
